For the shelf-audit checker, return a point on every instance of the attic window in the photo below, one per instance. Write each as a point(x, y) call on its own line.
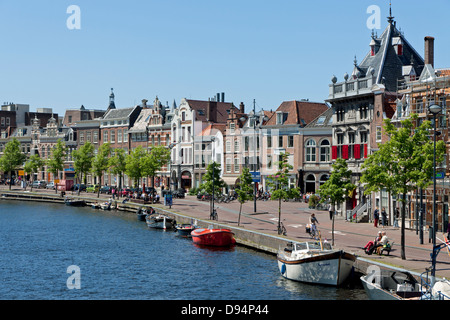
point(281, 117)
point(398, 45)
point(374, 46)
point(321, 120)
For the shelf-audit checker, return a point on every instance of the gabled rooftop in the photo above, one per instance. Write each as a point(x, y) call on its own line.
point(297, 113)
point(383, 64)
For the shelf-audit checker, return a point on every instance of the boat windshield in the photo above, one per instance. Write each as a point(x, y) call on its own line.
point(301, 246)
point(317, 246)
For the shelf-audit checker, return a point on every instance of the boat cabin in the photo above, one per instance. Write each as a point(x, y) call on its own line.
point(307, 246)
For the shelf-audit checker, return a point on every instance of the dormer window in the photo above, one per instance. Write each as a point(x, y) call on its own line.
point(398, 45)
point(374, 46)
point(281, 117)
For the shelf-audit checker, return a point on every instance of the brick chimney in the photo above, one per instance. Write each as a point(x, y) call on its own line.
point(242, 108)
point(429, 50)
point(211, 111)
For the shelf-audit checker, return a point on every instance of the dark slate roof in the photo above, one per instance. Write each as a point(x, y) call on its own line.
point(386, 63)
point(118, 113)
point(325, 120)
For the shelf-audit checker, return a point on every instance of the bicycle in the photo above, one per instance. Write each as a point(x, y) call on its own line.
point(214, 215)
point(314, 233)
point(282, 229)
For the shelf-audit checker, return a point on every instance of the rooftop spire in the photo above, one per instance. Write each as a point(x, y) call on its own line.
point(112, 105)
point(390, 18)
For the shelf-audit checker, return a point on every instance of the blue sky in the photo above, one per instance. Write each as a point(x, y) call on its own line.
point(271, 51)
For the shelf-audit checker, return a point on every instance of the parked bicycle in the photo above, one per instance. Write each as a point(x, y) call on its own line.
point(282, 229)
point(223, 198)
point(214, 215)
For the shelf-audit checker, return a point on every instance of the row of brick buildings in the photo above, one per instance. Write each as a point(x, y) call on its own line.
point(391, 81)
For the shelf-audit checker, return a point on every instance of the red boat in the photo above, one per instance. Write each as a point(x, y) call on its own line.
point(213, 237)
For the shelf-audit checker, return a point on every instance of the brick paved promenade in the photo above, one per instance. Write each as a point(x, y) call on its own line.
point(348, 236)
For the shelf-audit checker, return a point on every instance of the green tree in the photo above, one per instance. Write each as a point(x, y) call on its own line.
point(408, 157)
point(378, 172)
point(153, 162)
point(82, 160)
point(117, 164)
point(134, 164)
point(279, 185)
point(55, 163)
point(212, 182)
point(100, 163)
point(12, 158)
point(337, 187)
point(33, 164)
point(244, 189)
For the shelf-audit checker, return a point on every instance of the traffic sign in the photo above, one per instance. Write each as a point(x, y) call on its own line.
point(256, 176)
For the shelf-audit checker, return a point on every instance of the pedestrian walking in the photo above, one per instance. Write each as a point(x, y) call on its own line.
point(396, 216)
point(376, 217)
point(383, 217)
point(331, 210)
point(313, 221)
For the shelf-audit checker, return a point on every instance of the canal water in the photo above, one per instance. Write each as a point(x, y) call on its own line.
point(56, 252)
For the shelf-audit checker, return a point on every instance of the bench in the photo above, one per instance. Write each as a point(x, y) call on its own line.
point(386, 249)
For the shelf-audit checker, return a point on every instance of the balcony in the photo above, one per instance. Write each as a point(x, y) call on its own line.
point(351, 87)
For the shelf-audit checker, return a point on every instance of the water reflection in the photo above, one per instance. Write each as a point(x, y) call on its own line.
point(121, 258)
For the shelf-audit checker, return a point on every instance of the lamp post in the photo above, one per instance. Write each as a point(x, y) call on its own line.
point(434, 110)
point(257, 120)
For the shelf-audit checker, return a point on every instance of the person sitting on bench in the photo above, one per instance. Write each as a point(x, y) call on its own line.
point(370, 244)
point(384, 240)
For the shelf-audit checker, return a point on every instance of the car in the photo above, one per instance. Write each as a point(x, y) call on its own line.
point(39, 184)
point(77, 186)
point(105, 189)
point(92, 188)
point(150, 190)
point(51, 185)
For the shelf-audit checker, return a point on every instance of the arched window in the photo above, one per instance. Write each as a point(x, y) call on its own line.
point(325, 151)
point(310, 151)
point(323, 179)
point(310, 183)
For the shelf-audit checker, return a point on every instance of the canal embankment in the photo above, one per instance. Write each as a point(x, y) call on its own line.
point(251, 233)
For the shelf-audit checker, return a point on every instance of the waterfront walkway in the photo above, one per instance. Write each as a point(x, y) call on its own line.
point(348, 236)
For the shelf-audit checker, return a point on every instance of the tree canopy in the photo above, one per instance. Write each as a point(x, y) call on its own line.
point(244, 189)
point(12, 157)
point(338, 186)
point(82, 159)
point(279, 185)
point(407, 159)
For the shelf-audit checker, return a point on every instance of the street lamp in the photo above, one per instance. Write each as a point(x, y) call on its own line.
point(434, 109)
point(213, 139)
point(171, 146)
point(258, 118)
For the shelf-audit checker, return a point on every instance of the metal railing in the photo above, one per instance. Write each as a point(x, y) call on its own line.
point(427, 287)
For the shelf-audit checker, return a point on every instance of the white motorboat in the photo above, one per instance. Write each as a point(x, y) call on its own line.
point(315, 262)
point(160, 221)
point(383, 284)
point(105, 205)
